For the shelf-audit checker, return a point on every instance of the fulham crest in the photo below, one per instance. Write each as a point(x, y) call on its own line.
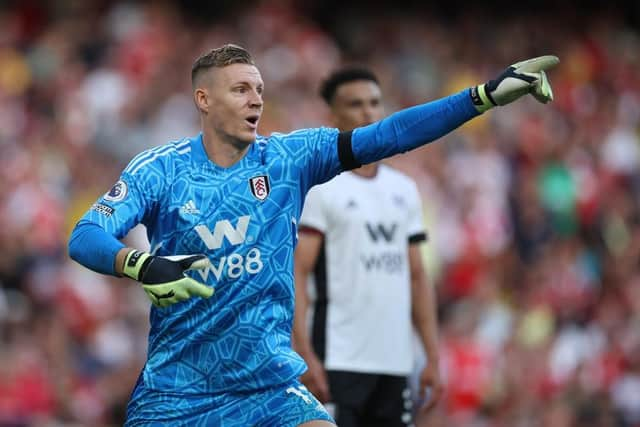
point(260, 186)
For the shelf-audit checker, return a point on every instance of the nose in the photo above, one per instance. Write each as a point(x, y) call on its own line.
point(255, 101)
point(368, 113)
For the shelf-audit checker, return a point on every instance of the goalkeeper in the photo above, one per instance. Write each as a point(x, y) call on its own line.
point(221, 211)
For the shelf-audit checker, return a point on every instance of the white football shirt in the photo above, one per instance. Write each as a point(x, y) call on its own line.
point(361, 292)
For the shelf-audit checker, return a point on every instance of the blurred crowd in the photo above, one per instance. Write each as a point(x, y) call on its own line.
point(533, 211)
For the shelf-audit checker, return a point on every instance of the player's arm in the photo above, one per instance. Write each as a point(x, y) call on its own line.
point(306, 256)
point(423, 300)
point(313, 226)
point(419, 125)
point(162, 278)
point(319, 160)
point(94, 242)
point(425, 321)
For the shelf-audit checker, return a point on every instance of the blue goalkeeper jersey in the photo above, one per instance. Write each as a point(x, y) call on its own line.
point(244, 218)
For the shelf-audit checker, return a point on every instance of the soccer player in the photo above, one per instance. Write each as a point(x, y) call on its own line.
point(359, 238)
point(221, 211)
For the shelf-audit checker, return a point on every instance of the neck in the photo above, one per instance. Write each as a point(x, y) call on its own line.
point(223, 152)
point(367, 171)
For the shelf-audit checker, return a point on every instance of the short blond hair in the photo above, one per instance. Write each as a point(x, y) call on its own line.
point(220, 57)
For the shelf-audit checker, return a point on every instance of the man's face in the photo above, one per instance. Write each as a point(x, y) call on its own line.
point(235, 102)
point(355, 104)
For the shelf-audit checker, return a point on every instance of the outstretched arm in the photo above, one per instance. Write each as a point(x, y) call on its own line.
point(416, 126)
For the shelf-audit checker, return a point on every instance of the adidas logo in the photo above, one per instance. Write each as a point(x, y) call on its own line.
point(189, 208)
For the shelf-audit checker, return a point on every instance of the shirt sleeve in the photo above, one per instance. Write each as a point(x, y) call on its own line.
point(313, 213)
point(416, 229)
point(132, 200)
point(407, 129)
point(315, 153)
point(97, 257)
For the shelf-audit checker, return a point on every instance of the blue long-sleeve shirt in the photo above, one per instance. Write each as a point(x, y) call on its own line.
point(244, 218)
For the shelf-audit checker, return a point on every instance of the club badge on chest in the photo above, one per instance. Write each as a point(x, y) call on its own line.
point(260, 187)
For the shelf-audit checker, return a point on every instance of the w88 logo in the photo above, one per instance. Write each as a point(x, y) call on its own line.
point(234, 265)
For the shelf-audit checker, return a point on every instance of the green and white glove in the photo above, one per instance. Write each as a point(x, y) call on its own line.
point(518, 80)
point(163, 278)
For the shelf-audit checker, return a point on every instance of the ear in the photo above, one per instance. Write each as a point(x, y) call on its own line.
point(201, 98)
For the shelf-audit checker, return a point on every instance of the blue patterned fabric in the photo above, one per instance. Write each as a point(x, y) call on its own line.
point(245, 219)
point(206, 355)
point(287, 405)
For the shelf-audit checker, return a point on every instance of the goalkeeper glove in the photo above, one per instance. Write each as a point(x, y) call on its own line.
point(163, 278)
point(517, 80)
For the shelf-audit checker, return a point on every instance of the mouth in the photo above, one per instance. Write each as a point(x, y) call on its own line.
point(252, 120)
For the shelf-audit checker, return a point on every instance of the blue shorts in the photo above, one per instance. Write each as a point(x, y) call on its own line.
point(286, 405)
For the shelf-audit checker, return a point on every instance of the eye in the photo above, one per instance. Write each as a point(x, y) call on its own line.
point(239, 89)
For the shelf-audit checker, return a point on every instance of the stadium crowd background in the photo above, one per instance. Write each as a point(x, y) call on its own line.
point(533, 211)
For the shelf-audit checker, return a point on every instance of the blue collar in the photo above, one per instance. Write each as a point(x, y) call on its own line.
point(199, 155)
